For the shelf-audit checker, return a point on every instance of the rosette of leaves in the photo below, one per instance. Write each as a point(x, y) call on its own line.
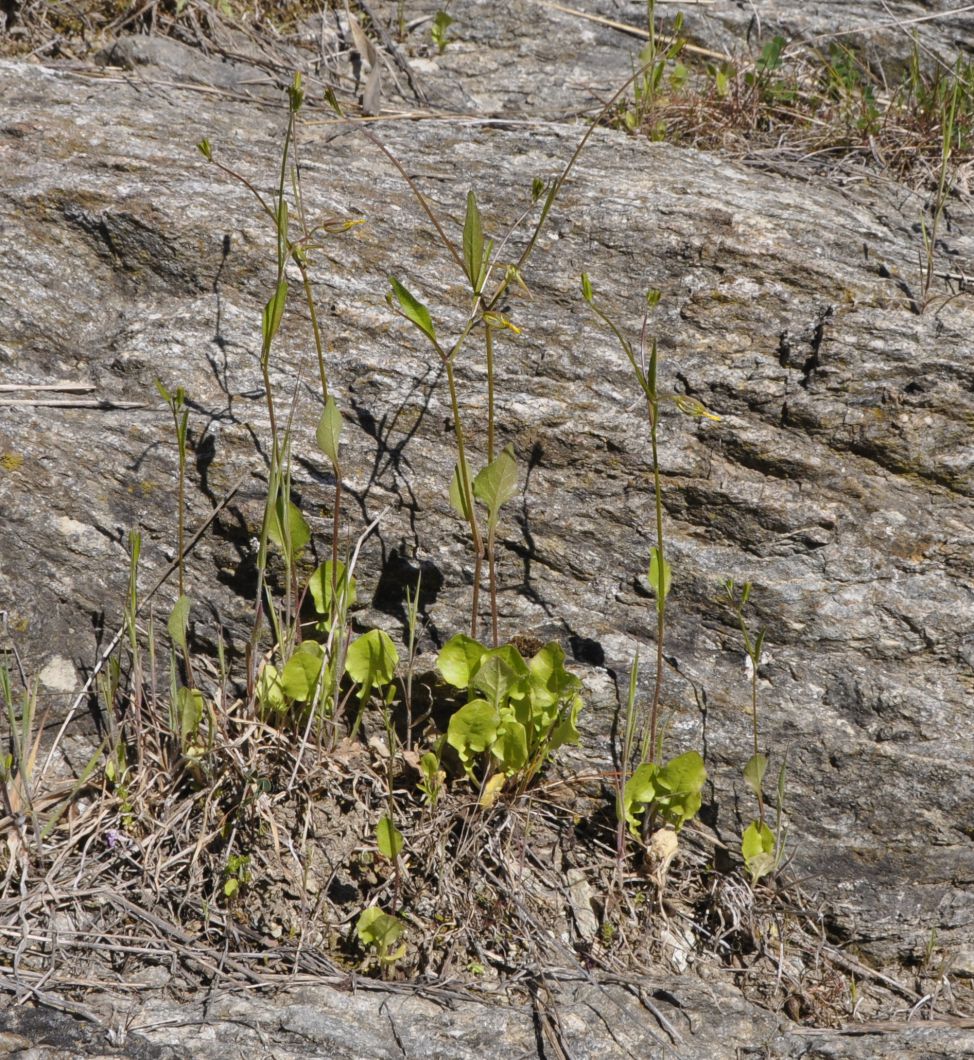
point(517, 712)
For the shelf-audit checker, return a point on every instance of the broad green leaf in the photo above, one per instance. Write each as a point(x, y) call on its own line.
point(457, 497)
point(270, 691)
point(679, 784)
point(496, 484)
point(320, 587)
point(660, 584)
point(495, 679)
point(329, 430)
point(459, 660)
point(754, 773)
point(550, 680)
point(298, 531)
point(372, 659)
point(273, 312)
point(639, 791)
point(379, 930)
point(757, 848)
point(389, 839)
point(473, 244)
point(510, 747)
point(302, 671)
point(472, 730)
point(178, 621)
point(413, 309)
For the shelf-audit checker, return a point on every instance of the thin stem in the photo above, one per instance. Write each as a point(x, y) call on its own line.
point(489, 348)
point(467, 492)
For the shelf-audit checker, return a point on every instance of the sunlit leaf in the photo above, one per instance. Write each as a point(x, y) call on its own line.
point(413, 309)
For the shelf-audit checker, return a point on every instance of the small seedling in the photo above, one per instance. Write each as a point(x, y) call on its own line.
point(441, 23)
point(379, 932)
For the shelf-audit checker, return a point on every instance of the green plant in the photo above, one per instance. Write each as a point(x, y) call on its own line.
point(671, 791)
point(761, 847)
point(379, 932)
point(930, 231)
point(441, 23)
point(236, 875)
point(517, 712)
point(654, 59)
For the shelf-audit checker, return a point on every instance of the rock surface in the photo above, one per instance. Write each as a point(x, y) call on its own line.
point(839, 478)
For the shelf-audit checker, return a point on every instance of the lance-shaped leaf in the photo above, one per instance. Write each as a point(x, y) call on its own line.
point(458, 499)
point(178, 621)
point(273, 312)
point(413, 309)
point(329, 430)
point(474, 258)
point(389, 839)
point(754, 773)
point(659, 576)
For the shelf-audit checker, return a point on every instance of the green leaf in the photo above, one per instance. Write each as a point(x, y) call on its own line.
point(659, 584)
point(754, 773)
point(320, 586)
point(472, 730)
point(178, 622)
point(458, 499)
point(679, 784)
point(566, 731)
point(205, 148)
point(270, 690)
point(190, 705)
point(413, 309)
point(758, 850)
point(474, 261)
point(496, 484)
point(300, 676)
point(295, 94)
point(441, 23)
point(329, 431)
point(550, 680)
point(380, 931)
point(640, 790)
point(510, 746)
point(587, 288)
point(459, 660)
point(273, 312)
point(231, 887)
point(298, 531)
point(389, 839)
point(372, 659)
point(495, 679)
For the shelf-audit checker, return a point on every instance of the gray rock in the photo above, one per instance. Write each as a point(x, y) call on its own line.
point(838, 480)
